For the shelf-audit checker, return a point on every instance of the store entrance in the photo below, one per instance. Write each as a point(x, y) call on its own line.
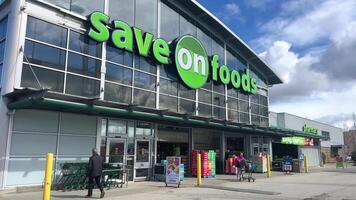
point(142, 159)
point(173, 141)
point(115, 151)
point(234, 145)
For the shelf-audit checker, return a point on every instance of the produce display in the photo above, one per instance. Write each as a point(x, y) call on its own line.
point(208, 163)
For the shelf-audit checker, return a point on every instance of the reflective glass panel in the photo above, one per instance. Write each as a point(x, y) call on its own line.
point(81, 86)
point(204, 110)
point(118, 55)
point(168, 87)
point(169, 23)
point(146, 81)
point(83, 65)
point(46, 32)
point(83, 44)
point(167, 102)
point(219, 112)
point(117, 93)
point(119, 12)
point(186, 106)
point(186, 92)
point(204, 96)
point(145, 64)
point(48, 79)
point(144, 98)
point(117, 127)
point(118, 74)
point(146, 15)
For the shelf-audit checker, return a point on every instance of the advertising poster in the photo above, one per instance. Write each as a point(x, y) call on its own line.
point(172, 170)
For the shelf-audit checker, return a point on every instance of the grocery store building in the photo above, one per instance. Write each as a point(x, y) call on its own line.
point(66, 86)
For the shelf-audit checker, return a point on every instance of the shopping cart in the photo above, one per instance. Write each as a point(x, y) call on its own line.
point(244, 171)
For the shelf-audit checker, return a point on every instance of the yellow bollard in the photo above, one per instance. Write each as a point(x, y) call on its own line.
point(48, 177)
point(306, 170)
point(268, 166)
point(199, 169)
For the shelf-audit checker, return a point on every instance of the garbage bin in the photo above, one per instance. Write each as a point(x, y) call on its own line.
point(298, 165)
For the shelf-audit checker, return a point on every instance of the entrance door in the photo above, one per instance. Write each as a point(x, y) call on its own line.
point(116, 151)
point(142, 159)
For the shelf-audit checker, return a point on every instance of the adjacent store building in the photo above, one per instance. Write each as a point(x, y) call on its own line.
point(65, 91)
point(331, 146)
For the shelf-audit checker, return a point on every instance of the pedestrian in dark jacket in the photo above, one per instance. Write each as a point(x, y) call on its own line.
point(95, 170)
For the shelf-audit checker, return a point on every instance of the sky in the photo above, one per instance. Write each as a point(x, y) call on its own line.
point(310, 44)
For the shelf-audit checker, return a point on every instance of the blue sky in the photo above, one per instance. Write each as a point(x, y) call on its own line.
point(310, 44)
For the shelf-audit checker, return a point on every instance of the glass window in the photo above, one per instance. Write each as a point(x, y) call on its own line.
point(204, 110)
point(243, 96)
point(255, 119)
point(219, 100)
point(233, 115)
point(219, 112)
point(169, 23)
point(255, 109)
point(144, 98)
point(186, 28)
point(208, 84)
point(168, 87)
point(146, 15)
point(46, 32)
point(255, 98)
point(168, 71)
point(145, 64)
point(83, 44)
point(264, 122)
point(231, 91)
point(3, 28)
point(84, 65)
point(235, 62)
point(119, 12)
point(81, 86)
point(243, 106)
point(263, 100)
point(0, 74)
point(117, 93)
point(2, 51)
point(83, 7)
point(232, 103)
point(244, 118)
point(205, 40)
point(34, 168)
point(216, 48)
point(48, 79)
point(186, 106)
point(116, 127)
point(118, 55)
point(186, 92)
point(118, 74)
point(166, 102)
point(44, 55)
point(144, 128)
point(146, 81)
point(218, 87)
point(264, 111)
point(204, 96)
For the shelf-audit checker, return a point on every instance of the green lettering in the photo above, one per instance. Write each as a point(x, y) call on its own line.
point(224, 73)
point(161, 51)
point(122, 37)
point(235, 79)
point(253, 86)
point(143, 41)
point(99, 32)
point(245, 80)
point(215, 66)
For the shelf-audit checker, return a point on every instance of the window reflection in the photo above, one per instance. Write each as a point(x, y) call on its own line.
point(144, 98)
point(83, 7)
point(48, 79)
point(46, 32)
point(83, 44)
point(81, 86)
point(118, 55)
point(44, 55)
point(123, 13)
point(146, 15)
point(169, 23)
point(84, 65)
point(145, 81)
point(118, 74)
point(167, 102)
point(117, 93)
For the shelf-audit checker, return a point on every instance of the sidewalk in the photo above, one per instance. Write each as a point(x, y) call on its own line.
point(320, 183)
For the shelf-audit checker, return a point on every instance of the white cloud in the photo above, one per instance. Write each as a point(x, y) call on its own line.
point(283, 60)
point(322, 82)
point(231, 9)
point(258, 4)
point(306, 26)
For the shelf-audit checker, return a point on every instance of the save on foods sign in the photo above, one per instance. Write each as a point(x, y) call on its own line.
point(186, 53)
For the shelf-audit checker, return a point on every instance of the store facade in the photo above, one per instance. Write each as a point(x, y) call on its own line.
point(330, 145)
point(124, 77)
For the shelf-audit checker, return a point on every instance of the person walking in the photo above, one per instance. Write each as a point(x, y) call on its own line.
point(95, 170)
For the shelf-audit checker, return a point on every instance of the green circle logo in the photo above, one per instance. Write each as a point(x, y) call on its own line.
point(191, 62)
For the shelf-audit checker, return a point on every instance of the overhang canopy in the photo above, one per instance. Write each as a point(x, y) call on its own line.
point(45, 100)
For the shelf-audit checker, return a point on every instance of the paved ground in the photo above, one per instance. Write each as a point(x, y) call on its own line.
point(321, 183)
